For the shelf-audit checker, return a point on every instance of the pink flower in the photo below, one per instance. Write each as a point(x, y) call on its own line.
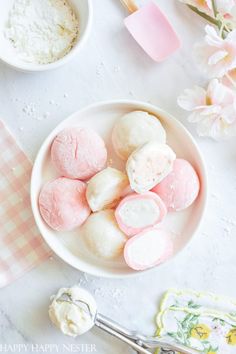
point(213, 109)
point(202, 5)
point(216, 55)
point(230, 79)
point(223, 6)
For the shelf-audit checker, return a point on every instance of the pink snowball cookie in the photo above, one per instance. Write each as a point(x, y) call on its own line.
point(148, 249)
point(78, 152)
point(180, 188)
point(63, 204)
point(137, 212)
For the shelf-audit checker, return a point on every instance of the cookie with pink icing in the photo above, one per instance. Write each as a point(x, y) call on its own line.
point(180, 188)
point(78, 152)
point(148, 249)
point(63, 204)
point(137, 212)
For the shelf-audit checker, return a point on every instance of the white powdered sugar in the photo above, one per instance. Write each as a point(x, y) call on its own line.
point(42, 31)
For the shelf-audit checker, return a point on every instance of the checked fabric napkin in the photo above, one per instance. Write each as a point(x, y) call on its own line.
point(21, 246)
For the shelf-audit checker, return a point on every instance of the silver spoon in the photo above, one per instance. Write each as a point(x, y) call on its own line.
point(137, 341)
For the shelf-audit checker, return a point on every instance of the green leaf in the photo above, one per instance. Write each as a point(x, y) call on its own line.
point(193, 305)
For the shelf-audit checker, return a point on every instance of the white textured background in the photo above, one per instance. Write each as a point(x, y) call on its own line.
point(111, 66)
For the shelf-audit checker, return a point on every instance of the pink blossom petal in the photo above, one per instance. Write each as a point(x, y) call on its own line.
point(212, 38)
point(216, 91)
point(202, 52)
point(205, 6)
point(192, 98)
point(220, 93)
point(216, 57)
point(216, 117)
point(209, 110)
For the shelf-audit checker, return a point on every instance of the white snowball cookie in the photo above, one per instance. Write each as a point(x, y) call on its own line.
point(149, 165)
point(106, 188)
point(135, 129)
point(73, 320)
point(103, 236)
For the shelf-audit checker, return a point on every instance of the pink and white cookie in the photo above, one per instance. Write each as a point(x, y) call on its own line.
point(149, 165)
point(180, 188)
point(63, 204)
point(137, 212)
point(78, 152)
point(135, 129)
point(148, 249)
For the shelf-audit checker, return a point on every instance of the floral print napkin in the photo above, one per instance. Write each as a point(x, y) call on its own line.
point(201, 321)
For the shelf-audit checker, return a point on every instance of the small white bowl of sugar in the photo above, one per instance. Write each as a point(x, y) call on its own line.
point(39, 35)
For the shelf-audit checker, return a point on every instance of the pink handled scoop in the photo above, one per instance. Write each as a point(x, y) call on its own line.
point(151, 30)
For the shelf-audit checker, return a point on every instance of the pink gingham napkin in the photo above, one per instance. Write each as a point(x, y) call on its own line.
point(21, 246)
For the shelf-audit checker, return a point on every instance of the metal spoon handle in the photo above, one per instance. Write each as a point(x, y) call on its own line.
point(128, 341)
point(165, 343)
point(144, 341)
point(116, 327)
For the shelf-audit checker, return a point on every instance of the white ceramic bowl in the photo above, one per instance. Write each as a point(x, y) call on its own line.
point(84, 11)
point(101, 116)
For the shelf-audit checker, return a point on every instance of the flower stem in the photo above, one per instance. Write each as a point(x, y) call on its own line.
point(204, 15)
point(214, 8)
point(210, 19)
point(215, 11)
point(220, 24)
point(222, 28)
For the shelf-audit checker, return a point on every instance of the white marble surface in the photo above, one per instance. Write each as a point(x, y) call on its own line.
point(113, 66)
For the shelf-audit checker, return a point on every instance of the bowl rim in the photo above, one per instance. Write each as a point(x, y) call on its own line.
point(33, 68)
point(149, 108)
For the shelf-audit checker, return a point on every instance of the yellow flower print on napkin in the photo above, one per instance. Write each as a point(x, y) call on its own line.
point(200, 331)
point(231, 337)
point(201, 321)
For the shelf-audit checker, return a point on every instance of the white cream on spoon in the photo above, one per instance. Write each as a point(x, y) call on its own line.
point(74, 311)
